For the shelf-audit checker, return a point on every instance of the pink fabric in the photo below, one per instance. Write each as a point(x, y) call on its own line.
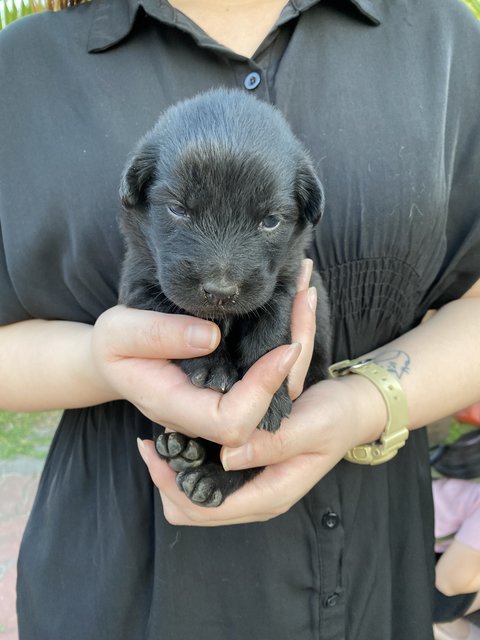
point(457, 511)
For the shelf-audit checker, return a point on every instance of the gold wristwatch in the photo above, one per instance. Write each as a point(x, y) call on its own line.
point(396, 432)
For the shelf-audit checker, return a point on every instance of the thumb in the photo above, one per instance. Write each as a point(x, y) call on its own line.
point(263, 448)
point(127, 332)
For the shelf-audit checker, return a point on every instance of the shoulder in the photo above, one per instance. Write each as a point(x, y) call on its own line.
point(440, 22)
point(33, 37)
point(449, 42)
point(37, 50)
point(446, 18)
point(440, 36)
point(454, 9)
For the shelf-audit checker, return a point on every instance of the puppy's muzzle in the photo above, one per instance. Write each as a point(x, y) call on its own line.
point(220, 293)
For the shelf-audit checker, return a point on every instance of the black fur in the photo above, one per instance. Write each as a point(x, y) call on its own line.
point(219, 200)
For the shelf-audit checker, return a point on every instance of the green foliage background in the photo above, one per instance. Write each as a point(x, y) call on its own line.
point(474, 6)
point(13, 9)
point(11, 12)
point(26, 434)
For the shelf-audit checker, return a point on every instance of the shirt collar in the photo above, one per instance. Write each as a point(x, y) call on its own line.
point(372, 9)
point(113, 19)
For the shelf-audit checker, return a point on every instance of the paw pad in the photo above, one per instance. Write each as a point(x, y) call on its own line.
point(180, 451)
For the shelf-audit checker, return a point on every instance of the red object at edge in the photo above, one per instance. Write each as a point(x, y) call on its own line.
point(470, 415)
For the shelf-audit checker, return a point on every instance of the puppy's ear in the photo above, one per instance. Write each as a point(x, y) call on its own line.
point(309, 193)
point(138, 176)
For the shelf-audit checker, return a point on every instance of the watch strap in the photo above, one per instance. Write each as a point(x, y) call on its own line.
point(396, 431)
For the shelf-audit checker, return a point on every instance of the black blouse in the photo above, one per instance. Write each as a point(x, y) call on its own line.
point(385, 96)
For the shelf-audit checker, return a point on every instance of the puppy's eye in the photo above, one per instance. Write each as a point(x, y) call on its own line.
point(177, 211)
point(270, 222)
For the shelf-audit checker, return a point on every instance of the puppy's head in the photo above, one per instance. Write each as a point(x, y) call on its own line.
point(219, 199)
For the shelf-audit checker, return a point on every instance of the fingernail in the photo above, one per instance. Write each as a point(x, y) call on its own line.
point(143, 450)
point(201, 336)
point(312, 299)
point(239, 458)
point(305, 274)
point(289, 357)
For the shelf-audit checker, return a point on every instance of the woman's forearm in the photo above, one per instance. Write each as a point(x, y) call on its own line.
point(438, 366)
point(438, 362)
point(125, 355)
point(48, 365)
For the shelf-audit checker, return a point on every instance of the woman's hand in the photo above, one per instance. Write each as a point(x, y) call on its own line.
point(307, 445)
point(323, 425)
point(131, 349)
point(269, 494)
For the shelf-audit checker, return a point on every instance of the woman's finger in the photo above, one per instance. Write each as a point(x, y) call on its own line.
point(296, 436)
point(268, 495)
point(237, 509)
point(303, 331)
point(250, 397)
point(263, 448)
point(305, 275)
point(228, 418)
point(125, 332)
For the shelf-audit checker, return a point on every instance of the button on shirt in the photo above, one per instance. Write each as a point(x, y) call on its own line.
point(385, 96)
point(330, 520)
point(252, 80)
point(331, 600)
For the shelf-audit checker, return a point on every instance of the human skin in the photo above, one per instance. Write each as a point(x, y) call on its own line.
point(458, 570)
point(240, 25)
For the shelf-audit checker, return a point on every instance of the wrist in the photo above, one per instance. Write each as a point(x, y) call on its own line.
point(93, 368)
point(362, 409)
point(395, 433)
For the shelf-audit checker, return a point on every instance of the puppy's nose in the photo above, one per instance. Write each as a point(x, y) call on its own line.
point(219, 292)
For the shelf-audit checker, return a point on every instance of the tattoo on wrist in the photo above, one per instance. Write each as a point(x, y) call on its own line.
point(395, 362)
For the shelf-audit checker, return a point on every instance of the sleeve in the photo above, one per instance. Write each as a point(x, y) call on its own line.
point(461, 264)
point(11, 309)
point(60, 246)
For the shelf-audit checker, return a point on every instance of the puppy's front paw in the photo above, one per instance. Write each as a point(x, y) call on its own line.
point(179, 451)
point(204, 485)
point(212, 371)
point(210, 484)
point(279, 408)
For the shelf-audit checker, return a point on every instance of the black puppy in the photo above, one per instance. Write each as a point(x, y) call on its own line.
point(219, 201)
